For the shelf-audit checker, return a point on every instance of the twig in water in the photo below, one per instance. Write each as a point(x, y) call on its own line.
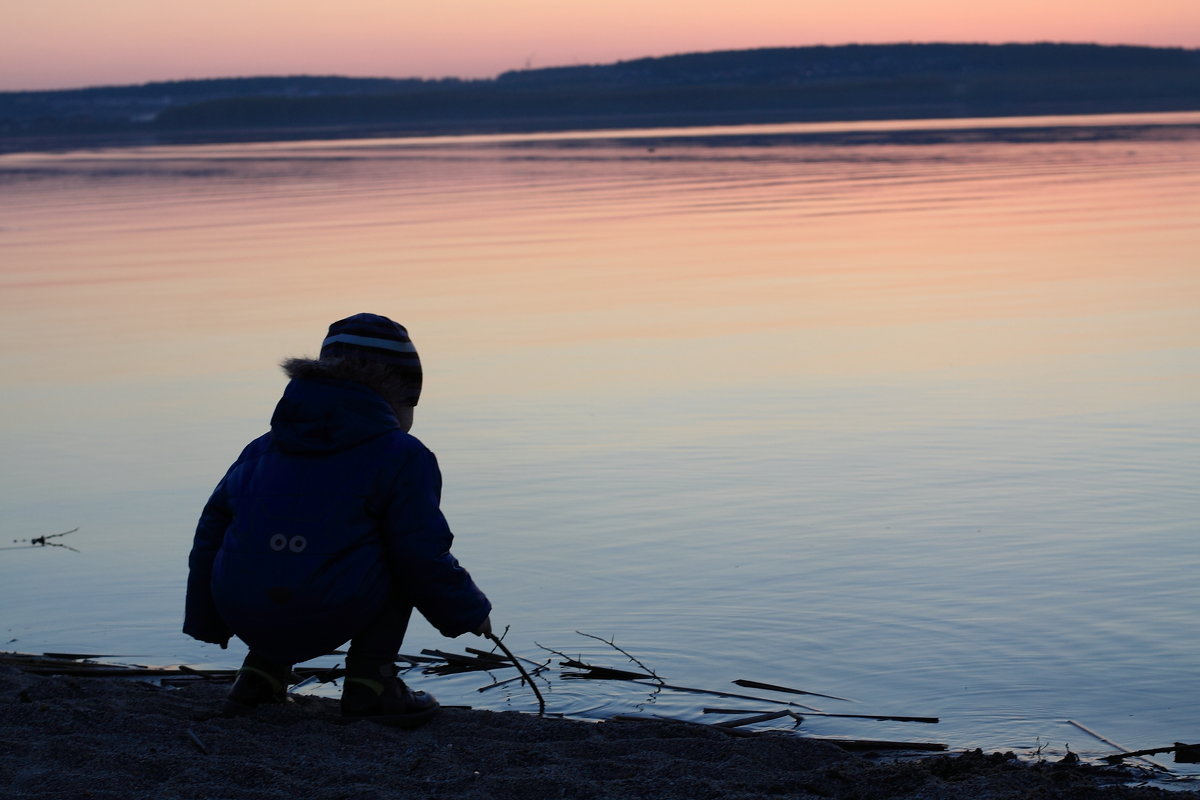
point(530, 660)
point(44, 541)
point(772, 687)
point(787, 712)
point(552, 650)
point(528, 680)
point(612, 643)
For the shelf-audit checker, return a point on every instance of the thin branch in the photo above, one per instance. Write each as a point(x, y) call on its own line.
point(558, 653)
point(612, 643)
point(504, 648)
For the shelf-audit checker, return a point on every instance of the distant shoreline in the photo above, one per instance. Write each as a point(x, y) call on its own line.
point(736, 87)
point(645, 126)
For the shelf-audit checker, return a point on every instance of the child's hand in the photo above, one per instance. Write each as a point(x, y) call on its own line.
point(485, 628)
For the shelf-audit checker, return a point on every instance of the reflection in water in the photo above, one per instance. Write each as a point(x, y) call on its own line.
point(913, 423)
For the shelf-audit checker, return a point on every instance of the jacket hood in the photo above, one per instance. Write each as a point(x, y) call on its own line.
point(327, 415)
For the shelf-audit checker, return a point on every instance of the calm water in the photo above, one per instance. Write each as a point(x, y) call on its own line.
point(910, 423)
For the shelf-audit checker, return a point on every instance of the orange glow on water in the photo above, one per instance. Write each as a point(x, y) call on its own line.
point(589, 268)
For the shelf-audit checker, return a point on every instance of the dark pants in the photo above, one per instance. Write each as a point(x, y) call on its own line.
point(380, 640)
point(377, 642)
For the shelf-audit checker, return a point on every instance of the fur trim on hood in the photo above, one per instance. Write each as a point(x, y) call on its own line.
point(382, 378)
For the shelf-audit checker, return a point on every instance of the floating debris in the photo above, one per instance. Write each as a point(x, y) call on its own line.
point(770, 716)
point(475, 660)
point(43, 541)
point(875, 744)
point(773, 688)
point(1184, 753)
point(877, 717)
point(1128, 753)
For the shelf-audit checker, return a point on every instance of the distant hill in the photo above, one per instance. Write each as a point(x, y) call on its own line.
point(775, 84)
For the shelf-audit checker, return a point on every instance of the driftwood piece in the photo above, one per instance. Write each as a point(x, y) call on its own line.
point(417, 659)
point(878, 717)
point(1184, 753)
point(455, 663)
point(1111, 743)
point(716, 693)
point(751, 720)
point(773, 688)
point(877, 744)
point(785, 712)
point(54, 665)
point(605, 674)
point(454, 658)
point(84, 656)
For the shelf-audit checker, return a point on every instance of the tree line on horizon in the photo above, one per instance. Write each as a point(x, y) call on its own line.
point(767, 84)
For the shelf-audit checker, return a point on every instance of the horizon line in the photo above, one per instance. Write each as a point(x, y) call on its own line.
point(77, 88)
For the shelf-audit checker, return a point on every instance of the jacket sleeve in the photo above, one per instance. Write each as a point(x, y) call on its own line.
point(417, 543)
point(201, 619)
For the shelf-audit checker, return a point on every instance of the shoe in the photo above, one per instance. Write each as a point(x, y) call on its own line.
point(387, 700)
point(252, 688)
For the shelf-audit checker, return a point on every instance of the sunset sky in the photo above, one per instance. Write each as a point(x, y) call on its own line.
point(71, 43)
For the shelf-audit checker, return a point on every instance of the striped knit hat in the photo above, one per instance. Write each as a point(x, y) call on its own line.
point(370, 337)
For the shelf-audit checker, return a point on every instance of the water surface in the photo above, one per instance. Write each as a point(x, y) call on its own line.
point(912, 422)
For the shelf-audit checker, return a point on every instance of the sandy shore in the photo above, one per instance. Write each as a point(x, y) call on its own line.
point(63, 737)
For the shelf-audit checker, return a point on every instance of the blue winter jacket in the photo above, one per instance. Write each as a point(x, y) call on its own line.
point(317, 522)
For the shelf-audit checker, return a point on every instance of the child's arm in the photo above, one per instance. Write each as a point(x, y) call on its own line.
point(417, 542)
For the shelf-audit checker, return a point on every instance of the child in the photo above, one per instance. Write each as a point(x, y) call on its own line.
point(328, 529)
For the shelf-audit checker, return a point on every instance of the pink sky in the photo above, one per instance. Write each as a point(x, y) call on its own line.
point(70, 43)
